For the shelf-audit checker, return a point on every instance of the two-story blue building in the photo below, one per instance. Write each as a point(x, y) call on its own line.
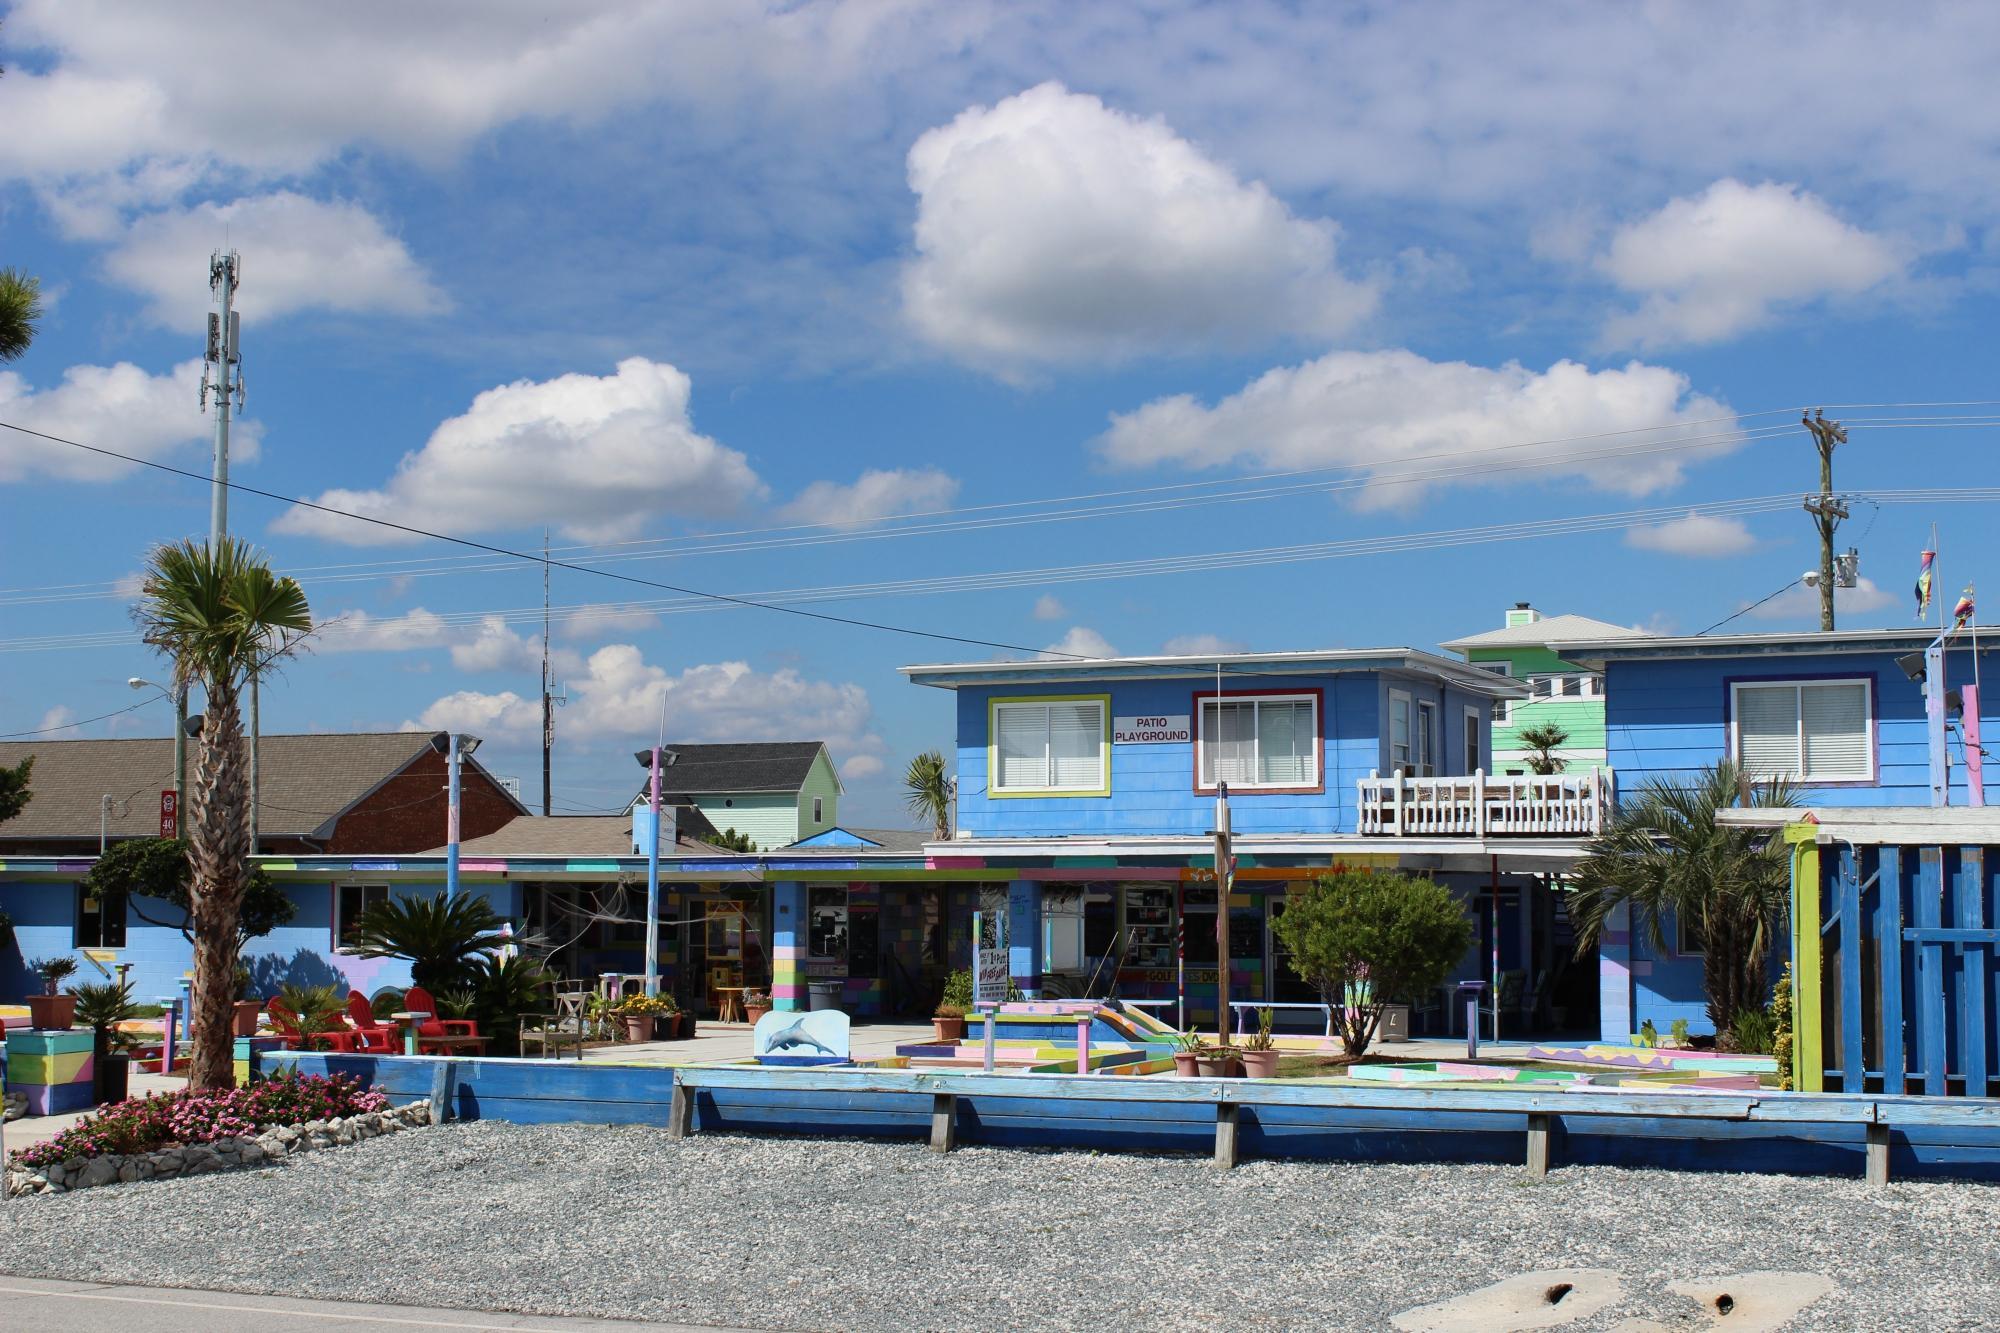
point(1093, 784)
point(1841, 713)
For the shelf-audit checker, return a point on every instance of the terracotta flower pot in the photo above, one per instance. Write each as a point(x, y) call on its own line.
point(1216, 1064)
point(246, 1017)
point(1260, 1064)
point(638, 1027)
point(754, 1012)
point(949, 1029)
point(52, 1012)
point(1185, 1064)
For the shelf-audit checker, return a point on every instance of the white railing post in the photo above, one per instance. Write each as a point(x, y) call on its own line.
point(1367, 802)
point(1397, 806)
point(1479, 802)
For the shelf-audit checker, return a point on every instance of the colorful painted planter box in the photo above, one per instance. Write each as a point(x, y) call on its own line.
point(54, 1070)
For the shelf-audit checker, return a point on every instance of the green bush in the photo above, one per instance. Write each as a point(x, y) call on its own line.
point(956, 1001)
point(1752, 1032)
point(1781, 1027)
point(1365, 941)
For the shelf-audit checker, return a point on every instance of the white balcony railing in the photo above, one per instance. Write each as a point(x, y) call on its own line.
point(1483, 806)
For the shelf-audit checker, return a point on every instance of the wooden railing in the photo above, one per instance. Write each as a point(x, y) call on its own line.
point(1486, 805)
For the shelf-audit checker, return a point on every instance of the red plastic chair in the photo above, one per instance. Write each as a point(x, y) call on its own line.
point(418, 1000)
point(371, 1033)
point(287, 1023)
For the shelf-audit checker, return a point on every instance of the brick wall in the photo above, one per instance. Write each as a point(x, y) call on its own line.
point(407, 813)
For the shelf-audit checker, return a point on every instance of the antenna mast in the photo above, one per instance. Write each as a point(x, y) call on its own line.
point(548, 703)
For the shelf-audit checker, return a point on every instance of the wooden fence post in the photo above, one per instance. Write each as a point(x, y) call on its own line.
point(680, 1111)
point(944, 1122)
point(444, 1090)
point(1539, 1127)
point(1225, 1135)
point(1878, 1155)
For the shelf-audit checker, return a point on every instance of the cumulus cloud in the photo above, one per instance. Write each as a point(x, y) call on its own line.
point(1051, 227)
point(596, 455)
point(59, 723)
point(487, 644)
point(617, 693)
point(876, 494)
point(120, 407)
point(1371, 411)
point(1050, 607)
point(1800, 602)
point(1200, 645)
point(862, 766)
point(299, 254)
point(1702, 536)
point(1726, 261)
point(596, 619)
point(1081, 641)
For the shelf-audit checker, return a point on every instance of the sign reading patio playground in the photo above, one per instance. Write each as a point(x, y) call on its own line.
point(1156, 729)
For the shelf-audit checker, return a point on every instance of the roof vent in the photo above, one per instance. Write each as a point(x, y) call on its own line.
point(1522, 614)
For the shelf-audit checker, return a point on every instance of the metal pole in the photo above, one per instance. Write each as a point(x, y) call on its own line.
point(653, 888)
point(256, 727)
point(1222, 879)
point(103, 821)
point(451, 829)
point(180, 761)
point(222, 280)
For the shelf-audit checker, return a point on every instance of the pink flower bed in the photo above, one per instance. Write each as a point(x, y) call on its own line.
point(145, 1124)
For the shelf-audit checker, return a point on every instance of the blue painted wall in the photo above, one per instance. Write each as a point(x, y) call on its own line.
point(1153, 786)
point(1671, 718)
point(300, 953)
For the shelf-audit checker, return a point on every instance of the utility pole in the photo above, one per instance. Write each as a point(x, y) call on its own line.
point(549, 699)
point(222, 373)
point(1827, 511)
point(1223, 877)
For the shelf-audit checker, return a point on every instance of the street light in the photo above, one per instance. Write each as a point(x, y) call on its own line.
point(454, 748)
point(653, 760)
point(180, 698)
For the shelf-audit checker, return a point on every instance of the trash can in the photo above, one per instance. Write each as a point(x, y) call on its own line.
point(822, 995)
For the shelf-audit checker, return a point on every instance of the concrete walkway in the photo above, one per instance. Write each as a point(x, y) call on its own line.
point(88, 1307)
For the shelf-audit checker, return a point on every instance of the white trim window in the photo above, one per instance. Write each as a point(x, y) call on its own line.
point(1053, 747)
point(349, 902)
point(1265, 740)
point(1807, 730)
point(1474, 752)
point(1427, 738)
point(1399, 731)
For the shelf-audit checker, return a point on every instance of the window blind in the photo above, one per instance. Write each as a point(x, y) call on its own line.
point(1768, 730)
point(1816, 731)
point(1285, 743)
point(1835, 720)
point(1049, 746)
point(1076, 744)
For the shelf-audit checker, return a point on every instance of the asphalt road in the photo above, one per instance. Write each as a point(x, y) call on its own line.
point(94, 1307)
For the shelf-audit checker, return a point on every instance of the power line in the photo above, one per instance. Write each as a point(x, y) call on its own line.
point(1748, 609)
point(44, 731)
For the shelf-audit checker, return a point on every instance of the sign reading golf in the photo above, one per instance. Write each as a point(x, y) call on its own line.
point(1157, 729)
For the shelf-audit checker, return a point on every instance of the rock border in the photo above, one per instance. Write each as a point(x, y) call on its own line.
point(271, 1143)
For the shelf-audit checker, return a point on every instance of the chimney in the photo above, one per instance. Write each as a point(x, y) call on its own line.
point(1522, 614)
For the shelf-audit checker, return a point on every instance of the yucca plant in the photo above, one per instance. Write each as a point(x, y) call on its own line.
point(220, 616)
point(927, 788)
point(316, 1009)
point(440, 937)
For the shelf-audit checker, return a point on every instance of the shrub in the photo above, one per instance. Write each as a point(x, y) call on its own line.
point(1365, 941)
point(956, 1001)
point(1752, 1032)
point(145, 1124)
point(1781, 1028)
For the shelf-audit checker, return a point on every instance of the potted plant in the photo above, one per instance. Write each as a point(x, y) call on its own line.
point(1187, 1049)
point(52, 1010)
point(639, 1012)
point(949, 1016)
point(103, 1006)
point(756, 1004)
point(1218, 1061)
point(248, 1008)
point(1260, 1051)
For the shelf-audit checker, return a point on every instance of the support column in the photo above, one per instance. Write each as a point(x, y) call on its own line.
point(1614, 977)
point(788, 946)
point(1024, 935)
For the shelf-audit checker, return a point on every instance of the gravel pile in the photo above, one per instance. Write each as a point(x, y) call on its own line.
point(822, 1234)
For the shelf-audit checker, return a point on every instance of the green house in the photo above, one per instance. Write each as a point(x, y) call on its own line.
point(1529, 647)
point(774, 793)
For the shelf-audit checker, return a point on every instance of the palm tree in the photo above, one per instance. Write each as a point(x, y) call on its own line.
point(20, 307)
point(1542, 741)
point(218, 613)
point(1665, 857)
point(928, 784)
point(441, 937)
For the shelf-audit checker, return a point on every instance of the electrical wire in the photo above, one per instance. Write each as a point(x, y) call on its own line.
point(1752, 607)
point(84, 722)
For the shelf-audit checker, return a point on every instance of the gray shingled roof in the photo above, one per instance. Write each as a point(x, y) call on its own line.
point(582, 835)
point(1549, 629)
point(304, 781)
point(734, 767)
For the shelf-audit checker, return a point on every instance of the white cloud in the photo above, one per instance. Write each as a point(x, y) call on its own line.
point(298, 254)
point(861, 766)
point(1800, 602)
point(1197, 645)
point(487, 644)
point(597, 619)
point(1371, 411)
point(118, 407)
point(1052, 228)
point(1081, 641)
point(57, 724)
point(1723, 262)
point(876, 494)
point(617, 693)
point(1050, 607)
point(1702, 536)
point(596, 455)
point(494, 647)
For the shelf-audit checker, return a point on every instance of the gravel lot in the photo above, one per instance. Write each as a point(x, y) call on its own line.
point(818, 1234)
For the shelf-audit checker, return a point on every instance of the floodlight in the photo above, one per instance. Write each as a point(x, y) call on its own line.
point(1913, 666)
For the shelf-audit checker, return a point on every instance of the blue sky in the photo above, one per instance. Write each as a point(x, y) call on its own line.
point(786, 299)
